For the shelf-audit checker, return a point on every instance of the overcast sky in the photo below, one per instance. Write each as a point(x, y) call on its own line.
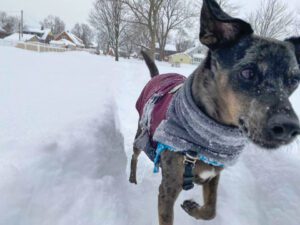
point(73, 11)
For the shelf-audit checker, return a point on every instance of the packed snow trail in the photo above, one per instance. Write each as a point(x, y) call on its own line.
point(67, 125)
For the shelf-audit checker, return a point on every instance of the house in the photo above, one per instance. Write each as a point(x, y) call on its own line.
point(44, 35)
point(179, 58)
point(169, 50)
point(15, 37)
point(70, 37)
point(63, 43)
point(3, 33)
point(197, 53)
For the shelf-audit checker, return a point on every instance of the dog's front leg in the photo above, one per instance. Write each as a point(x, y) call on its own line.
point(208, 210)
point(171, 186)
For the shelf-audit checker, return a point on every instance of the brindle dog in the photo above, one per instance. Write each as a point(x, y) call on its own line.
point(245, 81)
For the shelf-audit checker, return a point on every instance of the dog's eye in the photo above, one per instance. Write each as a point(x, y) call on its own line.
point(247, 74)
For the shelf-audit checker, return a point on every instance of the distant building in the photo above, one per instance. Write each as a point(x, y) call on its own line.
point(70, 37)
point(63, 43)
point(15, 37)
point(180, 58)
point(44, 35)
point(3, 33)
point(197, 53)
point(169, 50)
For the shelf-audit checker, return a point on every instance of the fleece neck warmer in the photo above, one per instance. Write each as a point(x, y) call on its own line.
point(187, 128)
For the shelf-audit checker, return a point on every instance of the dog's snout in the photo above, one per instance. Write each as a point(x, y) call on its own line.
point(283, 128)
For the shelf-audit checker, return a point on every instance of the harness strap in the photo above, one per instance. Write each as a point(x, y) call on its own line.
point(190, 159)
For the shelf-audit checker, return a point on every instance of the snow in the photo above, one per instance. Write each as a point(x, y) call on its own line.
point(193, 50)
point(168, 47)
point(45, 34)
point(199, 56)
point(67, 126)
point(62, 42)
point(35, 30)
point(75, 39)
point(15, 37)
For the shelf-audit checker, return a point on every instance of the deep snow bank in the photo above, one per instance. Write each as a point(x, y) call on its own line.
point(62, 158)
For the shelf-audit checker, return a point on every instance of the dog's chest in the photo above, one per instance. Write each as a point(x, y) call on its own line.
point(205, 174)
point(208, 174)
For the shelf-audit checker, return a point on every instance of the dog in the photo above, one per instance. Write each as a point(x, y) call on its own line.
point(245, 82)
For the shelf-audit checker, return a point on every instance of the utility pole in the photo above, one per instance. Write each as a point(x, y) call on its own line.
point(22, 21)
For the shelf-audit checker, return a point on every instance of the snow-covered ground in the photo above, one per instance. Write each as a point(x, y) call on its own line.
point(67, 126)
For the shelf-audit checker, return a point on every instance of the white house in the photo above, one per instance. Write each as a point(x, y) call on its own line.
point(197, 53)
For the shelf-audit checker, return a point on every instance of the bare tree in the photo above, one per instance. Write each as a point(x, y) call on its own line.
point(146, 13)
point(173, 15)
point(273, 19)
point(183, 40)
point(9, 23)
point(54, 23)
point(106, 19)
point(84, 32)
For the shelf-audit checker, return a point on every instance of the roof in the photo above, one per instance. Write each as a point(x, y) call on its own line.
point(43, 34)
point(62, 42)
point(77, 41)
point(34, 30)
point(15, 37)
point(200, 56)
point(46, 34)
point(168, 47)
point(190, 50)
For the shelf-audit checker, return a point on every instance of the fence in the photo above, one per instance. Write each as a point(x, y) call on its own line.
point(32, 46)
point(39, 47)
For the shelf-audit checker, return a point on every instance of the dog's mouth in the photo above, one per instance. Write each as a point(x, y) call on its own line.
point(257, 138)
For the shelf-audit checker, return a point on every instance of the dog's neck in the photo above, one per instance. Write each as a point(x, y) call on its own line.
point(207, 95)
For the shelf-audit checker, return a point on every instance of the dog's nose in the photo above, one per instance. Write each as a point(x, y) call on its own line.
point(283, 128)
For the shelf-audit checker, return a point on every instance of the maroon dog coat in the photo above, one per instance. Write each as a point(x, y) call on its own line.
point(161, 85)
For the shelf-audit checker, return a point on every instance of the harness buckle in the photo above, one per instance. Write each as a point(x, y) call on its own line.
point(187, 160)
point(190, 157)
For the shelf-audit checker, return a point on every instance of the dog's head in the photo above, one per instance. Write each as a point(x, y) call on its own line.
point(254, 76)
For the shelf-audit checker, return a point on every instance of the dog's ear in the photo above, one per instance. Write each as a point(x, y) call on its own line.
point(295, 41)
point(218, 29)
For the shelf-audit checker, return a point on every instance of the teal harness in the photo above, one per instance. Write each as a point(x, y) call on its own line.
point(190, 158)
point(162, 147)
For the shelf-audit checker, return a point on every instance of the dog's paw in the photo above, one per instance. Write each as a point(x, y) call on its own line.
point(195, 210)
point(132, 180)
point(190, 206)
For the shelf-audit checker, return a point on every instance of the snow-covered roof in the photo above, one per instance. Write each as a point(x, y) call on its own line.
point(15, 37)
point(46, 33)
point(62, 42)
point(43, 34)
point(199, 56)
point(77, 41)
point(169, 47)
point(34, 30)
point(191, 50)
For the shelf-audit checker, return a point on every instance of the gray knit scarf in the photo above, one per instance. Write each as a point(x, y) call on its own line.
point(188, 128)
